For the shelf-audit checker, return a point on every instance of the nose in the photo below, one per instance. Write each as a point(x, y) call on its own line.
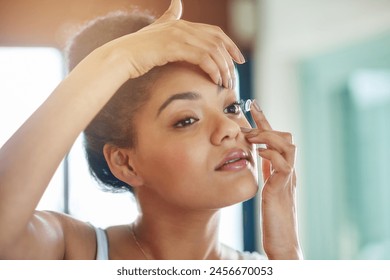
point(224, 129)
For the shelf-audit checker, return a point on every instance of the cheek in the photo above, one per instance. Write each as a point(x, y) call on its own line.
point(173, 163)
point(243, 121)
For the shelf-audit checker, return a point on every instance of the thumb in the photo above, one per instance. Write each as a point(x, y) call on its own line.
point(173, 13)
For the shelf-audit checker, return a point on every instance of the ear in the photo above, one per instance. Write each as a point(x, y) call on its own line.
point(120, 162)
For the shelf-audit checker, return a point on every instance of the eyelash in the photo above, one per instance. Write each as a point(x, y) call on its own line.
point(237, 106)
point(188, 121)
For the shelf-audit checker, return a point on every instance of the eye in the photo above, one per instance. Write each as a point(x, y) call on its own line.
point(234, 108)
point(186, 122)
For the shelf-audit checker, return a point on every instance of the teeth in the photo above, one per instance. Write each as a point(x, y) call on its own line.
point(232, 160)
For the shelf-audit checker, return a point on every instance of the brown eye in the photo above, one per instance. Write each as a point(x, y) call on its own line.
point(234, 108)
point(186, 122)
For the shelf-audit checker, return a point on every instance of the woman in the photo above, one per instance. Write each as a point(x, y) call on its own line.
point(160, 118)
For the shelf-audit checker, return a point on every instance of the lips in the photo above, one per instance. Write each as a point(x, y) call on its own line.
point(234, 160)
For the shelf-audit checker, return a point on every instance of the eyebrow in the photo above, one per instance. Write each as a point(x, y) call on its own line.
point(178, 96)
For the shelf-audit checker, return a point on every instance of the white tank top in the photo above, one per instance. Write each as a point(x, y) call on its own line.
point(102, 248)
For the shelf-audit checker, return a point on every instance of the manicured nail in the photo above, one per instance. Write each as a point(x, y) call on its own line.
point(256, 105)
point(242, 58)
point(220, 81)
point(246, 129)
point(230, 83)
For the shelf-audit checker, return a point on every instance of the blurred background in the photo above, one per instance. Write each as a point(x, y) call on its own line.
point(320, 69)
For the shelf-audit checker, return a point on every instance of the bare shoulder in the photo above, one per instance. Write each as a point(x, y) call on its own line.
point(50, 235)
point(79, 237)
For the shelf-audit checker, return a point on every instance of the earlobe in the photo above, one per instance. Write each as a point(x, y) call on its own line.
point(120, 162)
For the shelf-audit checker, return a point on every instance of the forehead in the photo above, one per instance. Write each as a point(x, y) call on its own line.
point(179, 77)
point(173, 73)
point(186, 76)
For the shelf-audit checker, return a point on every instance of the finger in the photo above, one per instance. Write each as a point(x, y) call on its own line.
point(204, 60)
point(174, 12)
point(275, 141)
point(223, 50)
point(251, 132)
point(210, 50)
point(217, 51)
point(225, 65)
point(230, 69)
point(278, 162)
point(259, 117)
point(281, 171)
point(230, 46)
point(266, 169)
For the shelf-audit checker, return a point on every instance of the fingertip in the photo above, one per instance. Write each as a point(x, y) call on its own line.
point(241, 57)
point(246, 129)
point(256, 106)
point(174, 11)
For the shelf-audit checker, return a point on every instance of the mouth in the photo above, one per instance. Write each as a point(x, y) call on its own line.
point(234, 160)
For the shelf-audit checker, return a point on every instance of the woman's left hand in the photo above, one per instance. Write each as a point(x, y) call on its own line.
point(279, 220)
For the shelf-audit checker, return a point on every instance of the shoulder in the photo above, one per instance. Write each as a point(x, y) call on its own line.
point(79, 237)
point(50, 235)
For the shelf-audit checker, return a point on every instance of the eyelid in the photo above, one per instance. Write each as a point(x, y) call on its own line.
point(180, 121)
point(237, 106)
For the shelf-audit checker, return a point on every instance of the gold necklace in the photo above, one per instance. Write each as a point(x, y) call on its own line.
point(137, 243)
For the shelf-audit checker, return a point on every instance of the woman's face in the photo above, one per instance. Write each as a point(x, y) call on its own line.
point(190, 150)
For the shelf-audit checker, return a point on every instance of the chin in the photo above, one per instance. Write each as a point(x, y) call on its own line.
point(248, 191)
point(241, 191)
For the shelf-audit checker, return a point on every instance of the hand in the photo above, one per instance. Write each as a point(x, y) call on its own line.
point(170, 39)
point(280, 230)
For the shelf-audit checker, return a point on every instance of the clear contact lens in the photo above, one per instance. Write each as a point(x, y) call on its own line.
point(246, 105)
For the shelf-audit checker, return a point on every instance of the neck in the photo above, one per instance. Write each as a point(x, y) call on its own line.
point(179, 235)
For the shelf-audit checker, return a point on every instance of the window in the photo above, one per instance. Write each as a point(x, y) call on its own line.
point(346, 111)
point(29, 75)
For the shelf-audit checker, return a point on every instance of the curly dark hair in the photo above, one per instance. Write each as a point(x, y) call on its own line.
point(114, 123)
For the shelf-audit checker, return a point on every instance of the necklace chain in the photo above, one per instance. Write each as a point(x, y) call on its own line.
point(137, 242)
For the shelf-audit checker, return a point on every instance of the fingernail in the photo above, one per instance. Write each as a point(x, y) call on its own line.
point(220, 81)
point(256, 105)
point(242, 58)
point(246, 129)
point(230, 83)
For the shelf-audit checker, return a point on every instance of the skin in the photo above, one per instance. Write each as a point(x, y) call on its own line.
point(178, 188)
point(193, 138)
point(28, 234)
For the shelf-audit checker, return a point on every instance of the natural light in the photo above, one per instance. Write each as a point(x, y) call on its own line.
point(29, 75)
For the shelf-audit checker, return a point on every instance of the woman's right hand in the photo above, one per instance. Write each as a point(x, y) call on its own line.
point(171, 39)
